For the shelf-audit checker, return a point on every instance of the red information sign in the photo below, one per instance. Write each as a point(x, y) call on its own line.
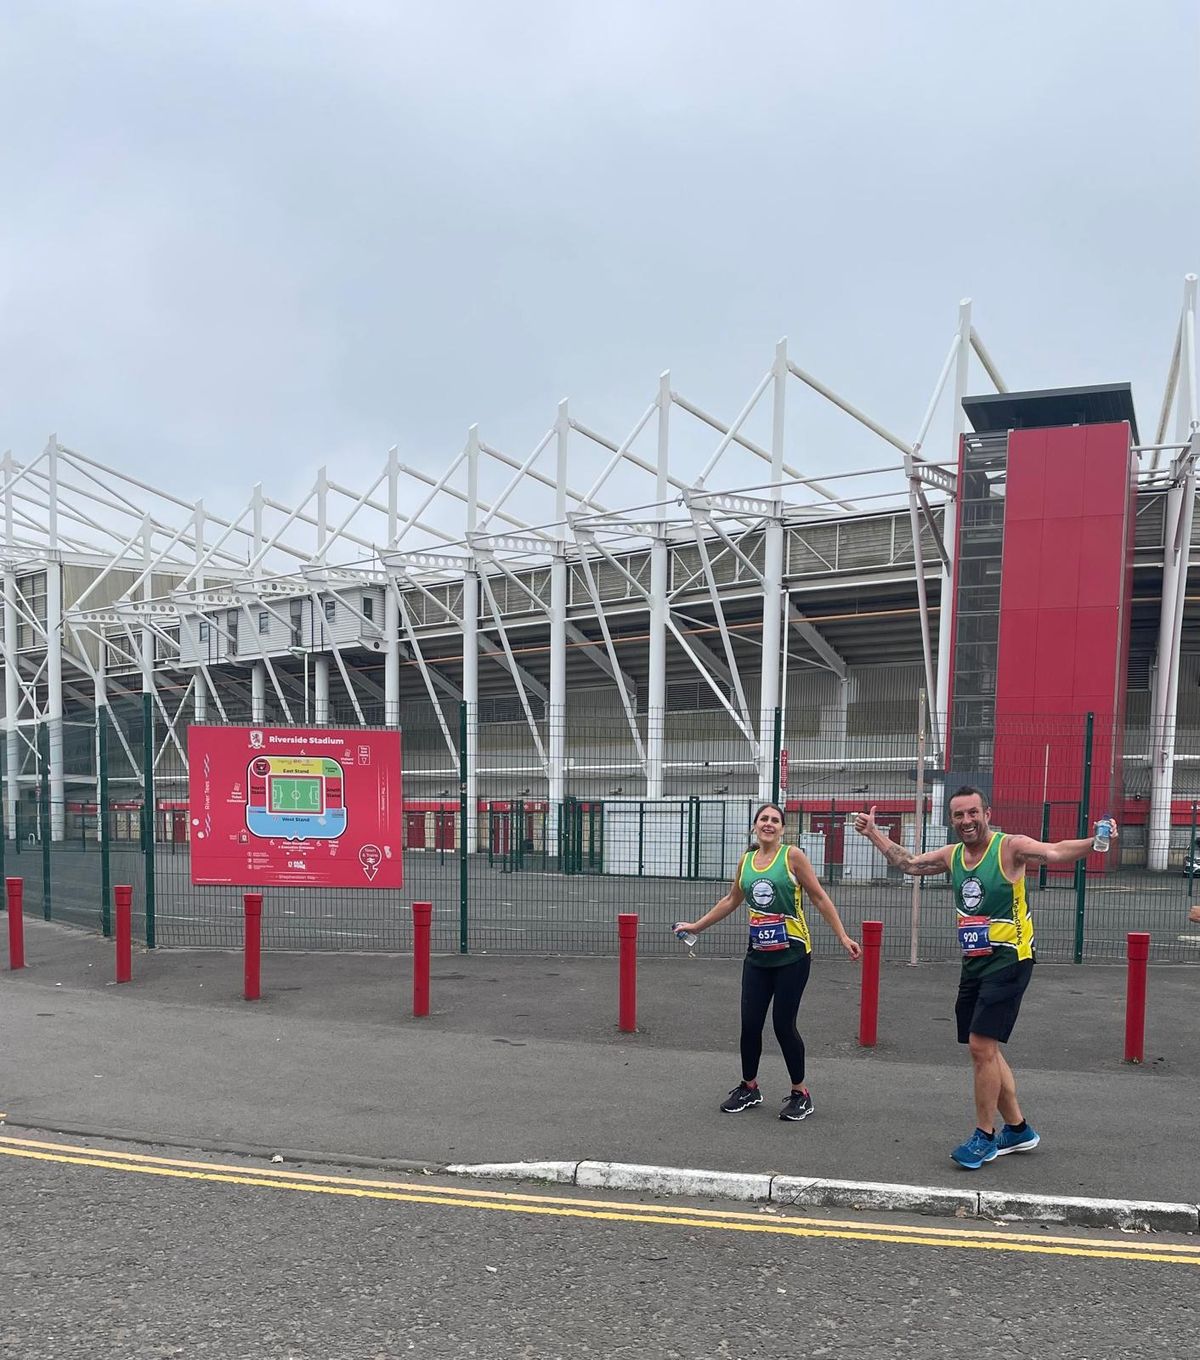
point(309, 808)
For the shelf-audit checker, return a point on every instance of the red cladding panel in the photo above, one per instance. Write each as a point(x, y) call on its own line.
point(1102, 561)
point(1055, 653)
point(1016, 676)
point(1060, 563)
point(1027, 472)
point(1065, 462)
point(1106, 471)
point(1021, 578)
point(1098, 641)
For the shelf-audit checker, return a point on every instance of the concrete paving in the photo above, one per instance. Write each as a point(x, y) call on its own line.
point(521, 1061)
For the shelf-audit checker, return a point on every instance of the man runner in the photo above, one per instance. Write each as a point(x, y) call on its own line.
point(995, 935)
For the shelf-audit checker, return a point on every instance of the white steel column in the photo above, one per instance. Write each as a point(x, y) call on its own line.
point(12, 689)
point(321, 689)
point(200, 688)
point(557, 740)
point(54, 627)
point(391, 605)
point(941, 702)
point(258, 693)
point(773, 600)
point(100, 701)
point(1176, 557)
point(656, 698)
point(470, 646)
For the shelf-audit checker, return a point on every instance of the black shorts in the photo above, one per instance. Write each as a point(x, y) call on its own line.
point(988, 1005)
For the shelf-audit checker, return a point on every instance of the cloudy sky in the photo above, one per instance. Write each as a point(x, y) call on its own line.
point(241, 238)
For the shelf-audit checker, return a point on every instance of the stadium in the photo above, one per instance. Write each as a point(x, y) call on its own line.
point(601, 653)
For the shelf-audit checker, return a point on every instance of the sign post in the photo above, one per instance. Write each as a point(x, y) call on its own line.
point(293, 807)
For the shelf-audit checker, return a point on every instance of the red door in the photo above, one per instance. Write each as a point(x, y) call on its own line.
point(443, 831)
point(501, 825)
point(179, 827)
point(833, 825)
point(414, 834)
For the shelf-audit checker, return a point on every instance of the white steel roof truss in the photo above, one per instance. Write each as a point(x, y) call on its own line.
point(524, 470)
point(350, 690)
point(706, 674)
point(585, 535)
point(170, 734)
point(733, 434)
point(605, 663)
point(703, 517)
point(489, 558)
point(519, 675)
point(120, 731)
point(533, 475)
point(626, 700)
point(426, 676)
point(830, 658)
point(436, 484)
point(714, 596)
point(422, 589)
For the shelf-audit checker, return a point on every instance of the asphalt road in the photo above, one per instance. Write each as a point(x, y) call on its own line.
point(521, 1059)
point(531, 912)
point(109, 1255)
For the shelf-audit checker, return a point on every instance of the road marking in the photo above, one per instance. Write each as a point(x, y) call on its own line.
point(68, 1154)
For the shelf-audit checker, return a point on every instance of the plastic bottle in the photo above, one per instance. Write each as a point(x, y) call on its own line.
point(1103, 835)
point(687, 937)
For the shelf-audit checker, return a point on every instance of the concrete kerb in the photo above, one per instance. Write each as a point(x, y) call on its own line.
point(873, 1196)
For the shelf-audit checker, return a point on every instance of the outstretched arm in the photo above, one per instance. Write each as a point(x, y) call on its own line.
point(725, 907)
point(1025, 850)
point(806, 875)
point(932, 862)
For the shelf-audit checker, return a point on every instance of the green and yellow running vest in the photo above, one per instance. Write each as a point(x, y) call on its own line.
point(775, 891)
point(985, 890)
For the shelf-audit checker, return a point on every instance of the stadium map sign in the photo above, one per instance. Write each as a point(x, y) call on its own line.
point(284, 806)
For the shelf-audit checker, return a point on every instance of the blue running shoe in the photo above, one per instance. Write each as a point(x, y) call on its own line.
point(1012, 1141)
point(979, 1148)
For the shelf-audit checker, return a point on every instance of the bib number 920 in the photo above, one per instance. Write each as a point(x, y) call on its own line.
point(973, 937)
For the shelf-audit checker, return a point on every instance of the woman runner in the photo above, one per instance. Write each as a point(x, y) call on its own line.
point(774, 878)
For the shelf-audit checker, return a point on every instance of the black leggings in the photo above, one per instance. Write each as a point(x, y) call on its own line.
point(786, 985)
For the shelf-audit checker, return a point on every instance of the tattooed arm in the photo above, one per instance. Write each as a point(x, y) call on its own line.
point(932, 862)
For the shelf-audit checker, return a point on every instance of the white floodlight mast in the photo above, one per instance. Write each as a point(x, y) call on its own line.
point(1182, 383)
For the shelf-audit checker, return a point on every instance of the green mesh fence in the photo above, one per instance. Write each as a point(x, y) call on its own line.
point(527, 864)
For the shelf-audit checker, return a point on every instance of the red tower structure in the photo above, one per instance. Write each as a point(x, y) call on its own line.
point(1043, 587)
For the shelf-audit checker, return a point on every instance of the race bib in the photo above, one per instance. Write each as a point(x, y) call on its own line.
point(768, 931)
point(973, 937)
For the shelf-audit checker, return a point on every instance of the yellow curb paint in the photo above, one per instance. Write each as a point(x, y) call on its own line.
point(967, 1239)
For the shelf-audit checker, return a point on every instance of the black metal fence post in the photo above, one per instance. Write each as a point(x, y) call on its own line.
point(148, 812)
point(102, 825)
point(43, 751)
point(1085, 802)
point(464, 867)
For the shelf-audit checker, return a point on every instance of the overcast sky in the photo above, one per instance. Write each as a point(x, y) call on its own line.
point(242, 239)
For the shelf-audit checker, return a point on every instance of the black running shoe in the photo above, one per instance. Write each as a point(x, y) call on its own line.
point(741, 1098)
point(797, 1106)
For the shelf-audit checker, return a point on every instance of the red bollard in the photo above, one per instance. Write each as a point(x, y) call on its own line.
point(123, 895)
point(253, 959)
point(868, 1006)
point(15, 888)
point(422, 928)
point(627, 926)
point(1137, 949)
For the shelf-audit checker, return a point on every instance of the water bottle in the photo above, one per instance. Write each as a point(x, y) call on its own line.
point(1103, 836)
point(687, 937)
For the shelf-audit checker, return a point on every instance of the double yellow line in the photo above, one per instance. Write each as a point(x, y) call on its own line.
point(776, 1223)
